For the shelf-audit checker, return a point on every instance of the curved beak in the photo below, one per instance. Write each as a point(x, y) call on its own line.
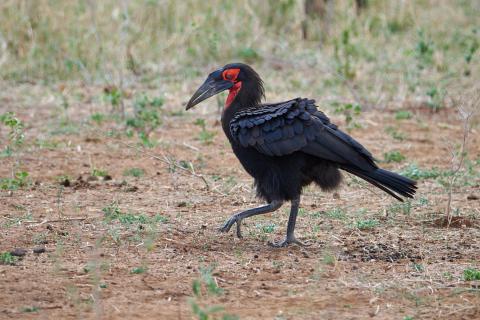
point(209, 88)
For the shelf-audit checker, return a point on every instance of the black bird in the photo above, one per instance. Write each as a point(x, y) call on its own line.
point(288, 145)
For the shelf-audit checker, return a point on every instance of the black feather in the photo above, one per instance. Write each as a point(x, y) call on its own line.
point(294, 139)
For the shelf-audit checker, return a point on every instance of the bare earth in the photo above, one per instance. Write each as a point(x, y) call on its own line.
point(406, 265)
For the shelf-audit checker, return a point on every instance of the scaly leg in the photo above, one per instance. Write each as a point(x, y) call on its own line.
point(237, 218)
point(292, 219)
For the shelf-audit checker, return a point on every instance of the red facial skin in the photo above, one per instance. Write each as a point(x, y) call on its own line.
point(231, 75)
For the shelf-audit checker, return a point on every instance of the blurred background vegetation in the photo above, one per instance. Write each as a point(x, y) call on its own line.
point(371, 50)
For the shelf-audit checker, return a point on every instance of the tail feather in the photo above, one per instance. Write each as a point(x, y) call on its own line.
point(390, 182)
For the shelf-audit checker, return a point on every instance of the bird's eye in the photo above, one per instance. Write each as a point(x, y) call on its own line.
point(230, 74)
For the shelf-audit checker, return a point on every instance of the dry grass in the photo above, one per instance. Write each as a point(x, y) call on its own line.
point(395, 51)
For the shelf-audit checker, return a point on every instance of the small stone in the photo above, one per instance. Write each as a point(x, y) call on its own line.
point(65, 183)
point(38, 250)
point(131, 189)
point(18, 252)
point(472, 197)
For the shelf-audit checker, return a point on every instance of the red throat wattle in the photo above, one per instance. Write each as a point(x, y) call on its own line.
point(233, 93)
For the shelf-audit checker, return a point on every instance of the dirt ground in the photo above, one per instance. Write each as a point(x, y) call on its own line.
point(406, 265)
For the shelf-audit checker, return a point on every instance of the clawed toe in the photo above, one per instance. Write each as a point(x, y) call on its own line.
point(228, 225)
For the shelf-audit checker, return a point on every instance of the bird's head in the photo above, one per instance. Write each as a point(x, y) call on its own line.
point(244, 84)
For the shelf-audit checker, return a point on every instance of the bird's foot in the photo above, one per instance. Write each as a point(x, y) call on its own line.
point(229, 223)
point(286, 242)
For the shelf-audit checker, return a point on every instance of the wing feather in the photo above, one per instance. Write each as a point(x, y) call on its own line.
point(297, 125)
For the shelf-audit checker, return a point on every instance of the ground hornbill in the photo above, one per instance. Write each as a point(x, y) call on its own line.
point(288, 145)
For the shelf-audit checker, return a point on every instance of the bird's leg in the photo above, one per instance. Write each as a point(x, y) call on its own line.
point(292, 219)
point(237, 218)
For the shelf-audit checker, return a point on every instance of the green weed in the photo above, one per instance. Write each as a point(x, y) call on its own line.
point(6, 258)
point(207, 283)
point(366, 224)
point(134, 172)
point(113, 96)
point(329, 259)
point(99, 173)
point(139, 270)
point(146, 118)
point(393, 156)
point(395, 134)
point(267, 228)
point(344, 54)
point(471, 274)
point(20, 180)
point(98, 118)
point(336, 213)
point(412, 171)
point(403, 115)
point(30, 309)
point(403, 208)
point(16, 135)
point(112, 212)
point(350, 112)
point(424, 50)
point(205, 136)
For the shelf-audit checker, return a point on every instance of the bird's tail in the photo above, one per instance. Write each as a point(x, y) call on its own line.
point(390, 182)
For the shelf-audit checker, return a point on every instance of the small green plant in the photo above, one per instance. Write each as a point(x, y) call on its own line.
point(7, 258)
point(146, 118)
point(268, 228)
point(336, 213)
point(248, 54)
point(99, 173)
point(134, 172)
point(350, 111)
point(113, 96)
point(436, 97)
point(18, 181)
point(412, 171)
point(98, 118)
point(344, 53)
point(205, 136)
point(366, 224)
point(30, 309)
point(393, 156)
point(206, 283)
point(471, 274)
point(424, 50)
point(112, 212)
point(418, 267)
point(395, 134)
point(17, 220)
point(403, 207)
point(139, 270)
point(16, 134)
point(329, 259)
point(408, 318)
point(448, 275)
point(403, 115)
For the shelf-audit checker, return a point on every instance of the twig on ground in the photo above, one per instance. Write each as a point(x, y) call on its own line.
point(39, 223)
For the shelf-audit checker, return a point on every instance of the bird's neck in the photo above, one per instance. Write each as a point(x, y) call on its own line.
point(247, 95)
